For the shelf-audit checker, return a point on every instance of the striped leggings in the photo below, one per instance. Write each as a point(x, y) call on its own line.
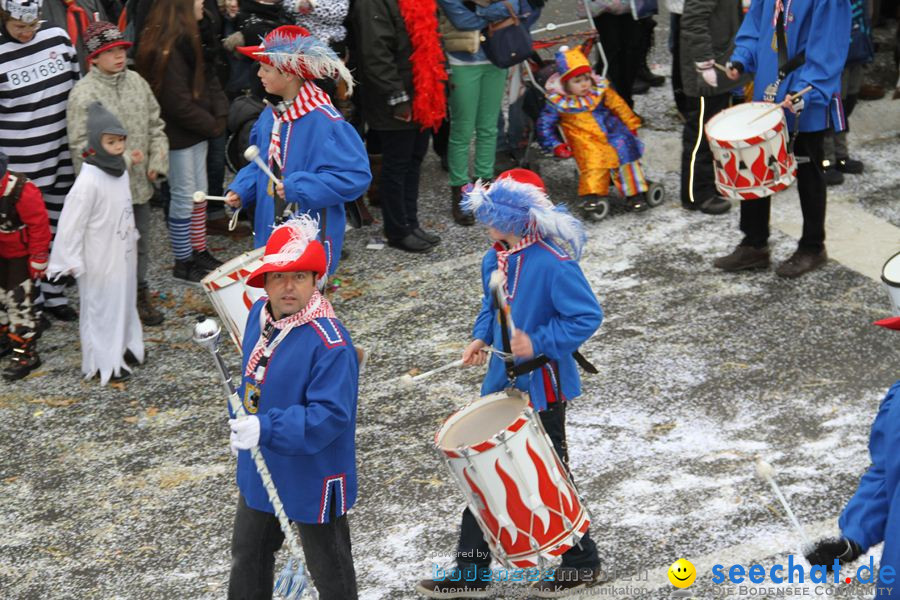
point(629, 179)
point(187, 219)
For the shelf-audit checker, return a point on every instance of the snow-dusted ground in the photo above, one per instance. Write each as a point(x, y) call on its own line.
point(129, 493)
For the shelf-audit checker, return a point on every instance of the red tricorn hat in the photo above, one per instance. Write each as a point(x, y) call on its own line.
point(291, 248)
point(292, 49)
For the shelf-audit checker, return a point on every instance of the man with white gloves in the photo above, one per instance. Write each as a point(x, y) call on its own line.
point(299, 388)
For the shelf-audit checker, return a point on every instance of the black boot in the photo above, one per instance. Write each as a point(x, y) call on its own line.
point(148, 313)
point(205, 260)
point(5, 343)
point(188, 272)
point(466, 219)
point(24, 359)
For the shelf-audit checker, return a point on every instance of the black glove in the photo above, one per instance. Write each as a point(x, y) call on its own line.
point(826, 551)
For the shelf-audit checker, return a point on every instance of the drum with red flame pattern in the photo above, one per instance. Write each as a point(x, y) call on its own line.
point(514, 482)
point(229, 293)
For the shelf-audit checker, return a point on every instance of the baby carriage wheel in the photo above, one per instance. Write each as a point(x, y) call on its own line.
point(598, 210)
point(656, 195)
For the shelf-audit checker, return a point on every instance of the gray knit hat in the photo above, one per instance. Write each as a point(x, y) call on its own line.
point(102, 121)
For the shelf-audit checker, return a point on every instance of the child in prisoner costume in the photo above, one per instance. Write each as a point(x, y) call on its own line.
point(301, 402)
point(39, 67)
point(128, 96)
point(600, 131)
point(24, 247)
point(872, 515)
point(97, 244)
point(555, 312)
point(318, 157)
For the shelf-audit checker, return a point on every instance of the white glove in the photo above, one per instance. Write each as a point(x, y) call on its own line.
point(707, 72)
point(234, 450)
point(244, 432)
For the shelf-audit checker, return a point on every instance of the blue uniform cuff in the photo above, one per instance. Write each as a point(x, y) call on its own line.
point(265, 430)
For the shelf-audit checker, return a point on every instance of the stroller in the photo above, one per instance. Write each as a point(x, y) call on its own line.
point(536, 71)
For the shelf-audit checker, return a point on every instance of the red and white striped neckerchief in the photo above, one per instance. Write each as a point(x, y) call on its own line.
point(503, 256)
point(317, 307)
point(309, 99)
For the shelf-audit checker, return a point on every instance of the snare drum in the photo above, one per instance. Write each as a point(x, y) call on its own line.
point(751, 160)
point(890, 276)
point(514, 483)
point(229, 293)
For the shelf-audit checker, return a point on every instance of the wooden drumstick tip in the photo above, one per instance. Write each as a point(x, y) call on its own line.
point(765, 470)
point(407, 381)
point(199, 196)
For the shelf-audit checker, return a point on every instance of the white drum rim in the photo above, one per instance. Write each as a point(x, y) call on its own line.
point(884, 275)
point(717, 119)
point(223, 271)
point(466, 410)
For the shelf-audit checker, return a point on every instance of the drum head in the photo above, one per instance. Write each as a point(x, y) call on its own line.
point(481, 420)
point(734, 124)
point(890, 273)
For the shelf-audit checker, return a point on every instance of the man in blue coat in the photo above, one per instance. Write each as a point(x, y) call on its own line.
point(319, 158)
point(299, 388)
point(873, 514)
point(554, 311)
point(789, 45)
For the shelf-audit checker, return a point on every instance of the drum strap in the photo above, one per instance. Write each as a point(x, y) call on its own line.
point(785, 65)
point(513, 370)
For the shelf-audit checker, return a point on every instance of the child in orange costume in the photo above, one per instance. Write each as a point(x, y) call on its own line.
point(600, 131)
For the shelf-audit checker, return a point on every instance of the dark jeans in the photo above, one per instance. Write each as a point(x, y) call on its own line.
point(215, 174)
point(623, 41)
point(675, 48)
point(402, 153)
point(256, 539)
point(474, 552)
point(810, 184)
point(704, 184)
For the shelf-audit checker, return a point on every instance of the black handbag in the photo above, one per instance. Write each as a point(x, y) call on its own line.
point(507, 42)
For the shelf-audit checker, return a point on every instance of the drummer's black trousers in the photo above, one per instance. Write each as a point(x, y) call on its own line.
point(810, 185)
point(474, 552)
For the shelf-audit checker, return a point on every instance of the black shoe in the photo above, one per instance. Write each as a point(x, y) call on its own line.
point(744, 258)
point(187, 271)
point(801, 262)
point(466, 219)
point(123, 375)
point(207, 261)
point(566, 582)
point(411, 243)
point(5, 343)
point(645, 74)
point(44, 323)
point(640, 87)
point(149, 314)
point(452, 590)
point(432, 239)
point(636, 203)
point(23, 362)
point(131, 360)
point(851, 166)
point(63, 312)
point(712, 206)
point(833, 176)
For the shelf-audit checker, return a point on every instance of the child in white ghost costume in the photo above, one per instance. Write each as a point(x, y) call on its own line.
point(96, 242)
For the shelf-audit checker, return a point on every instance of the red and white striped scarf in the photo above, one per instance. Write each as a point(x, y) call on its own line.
point(309, 99)
point(317, 307)
point(503, 256)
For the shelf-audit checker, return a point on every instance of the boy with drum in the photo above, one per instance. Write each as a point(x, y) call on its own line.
point(552, 312)
point(790, 45)
point(318, 158)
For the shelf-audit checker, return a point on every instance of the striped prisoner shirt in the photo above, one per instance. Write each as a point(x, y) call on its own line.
point(35, 80)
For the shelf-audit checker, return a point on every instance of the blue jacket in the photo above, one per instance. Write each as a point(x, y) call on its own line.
point(821, 28)
point(466, 20)
point(873, 514)
point(326, 166)
point(307, 417)
point(553, 303)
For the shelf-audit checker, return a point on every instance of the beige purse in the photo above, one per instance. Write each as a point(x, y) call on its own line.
point(456, 40)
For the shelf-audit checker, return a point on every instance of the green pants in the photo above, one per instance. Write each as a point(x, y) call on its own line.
point(476, 92)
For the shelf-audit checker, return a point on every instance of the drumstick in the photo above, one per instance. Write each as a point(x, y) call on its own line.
point(200, 196)
point(496, 285)
point(777, 106)
point(408, 380)
point(722, 68)
point(252, 154)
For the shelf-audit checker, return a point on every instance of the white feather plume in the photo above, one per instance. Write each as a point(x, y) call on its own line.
point(303, 230)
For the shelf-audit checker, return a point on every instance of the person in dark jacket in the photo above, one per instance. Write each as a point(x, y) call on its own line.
point(706, 37)
point(402, 99)
point(194, 108)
